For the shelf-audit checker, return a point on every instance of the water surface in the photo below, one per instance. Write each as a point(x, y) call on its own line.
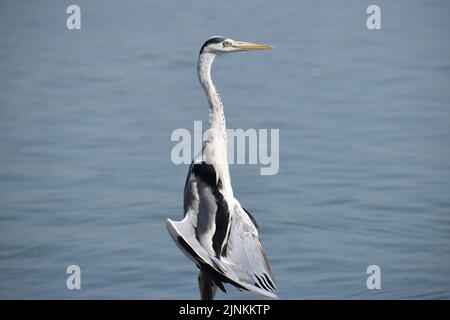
point(86, 117)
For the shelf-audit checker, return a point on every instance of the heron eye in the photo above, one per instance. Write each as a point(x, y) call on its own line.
point(226, 43)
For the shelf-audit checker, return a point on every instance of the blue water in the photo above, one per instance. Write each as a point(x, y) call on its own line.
point(86, 117)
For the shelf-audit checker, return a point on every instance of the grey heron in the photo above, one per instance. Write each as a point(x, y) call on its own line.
point(217, 233)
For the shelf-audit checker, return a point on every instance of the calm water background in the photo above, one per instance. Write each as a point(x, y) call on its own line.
point(86, 118)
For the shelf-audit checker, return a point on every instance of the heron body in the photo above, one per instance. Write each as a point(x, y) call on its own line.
point(217, 233)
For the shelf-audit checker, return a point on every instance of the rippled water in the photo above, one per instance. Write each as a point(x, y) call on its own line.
point(86, 118)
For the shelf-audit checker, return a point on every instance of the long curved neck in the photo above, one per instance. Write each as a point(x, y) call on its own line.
point(217, 116)
point(215, 151)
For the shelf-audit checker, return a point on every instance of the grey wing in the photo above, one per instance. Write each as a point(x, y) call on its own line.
point(206, 206)
point(192, 233)
point(236, 257)
point(196, 235)
point(245, 256)
point(190, 192)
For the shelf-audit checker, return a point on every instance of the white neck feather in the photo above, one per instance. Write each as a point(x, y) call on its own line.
point(215, 152)
point(217, 117)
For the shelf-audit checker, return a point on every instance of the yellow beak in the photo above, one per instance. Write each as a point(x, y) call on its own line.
point(251, 46)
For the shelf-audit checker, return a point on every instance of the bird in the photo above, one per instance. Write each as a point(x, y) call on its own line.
point(217, 233)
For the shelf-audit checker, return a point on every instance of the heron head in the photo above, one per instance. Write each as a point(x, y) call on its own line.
point(219, 45)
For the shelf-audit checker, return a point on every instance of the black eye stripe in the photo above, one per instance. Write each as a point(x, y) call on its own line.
point(211, 41)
